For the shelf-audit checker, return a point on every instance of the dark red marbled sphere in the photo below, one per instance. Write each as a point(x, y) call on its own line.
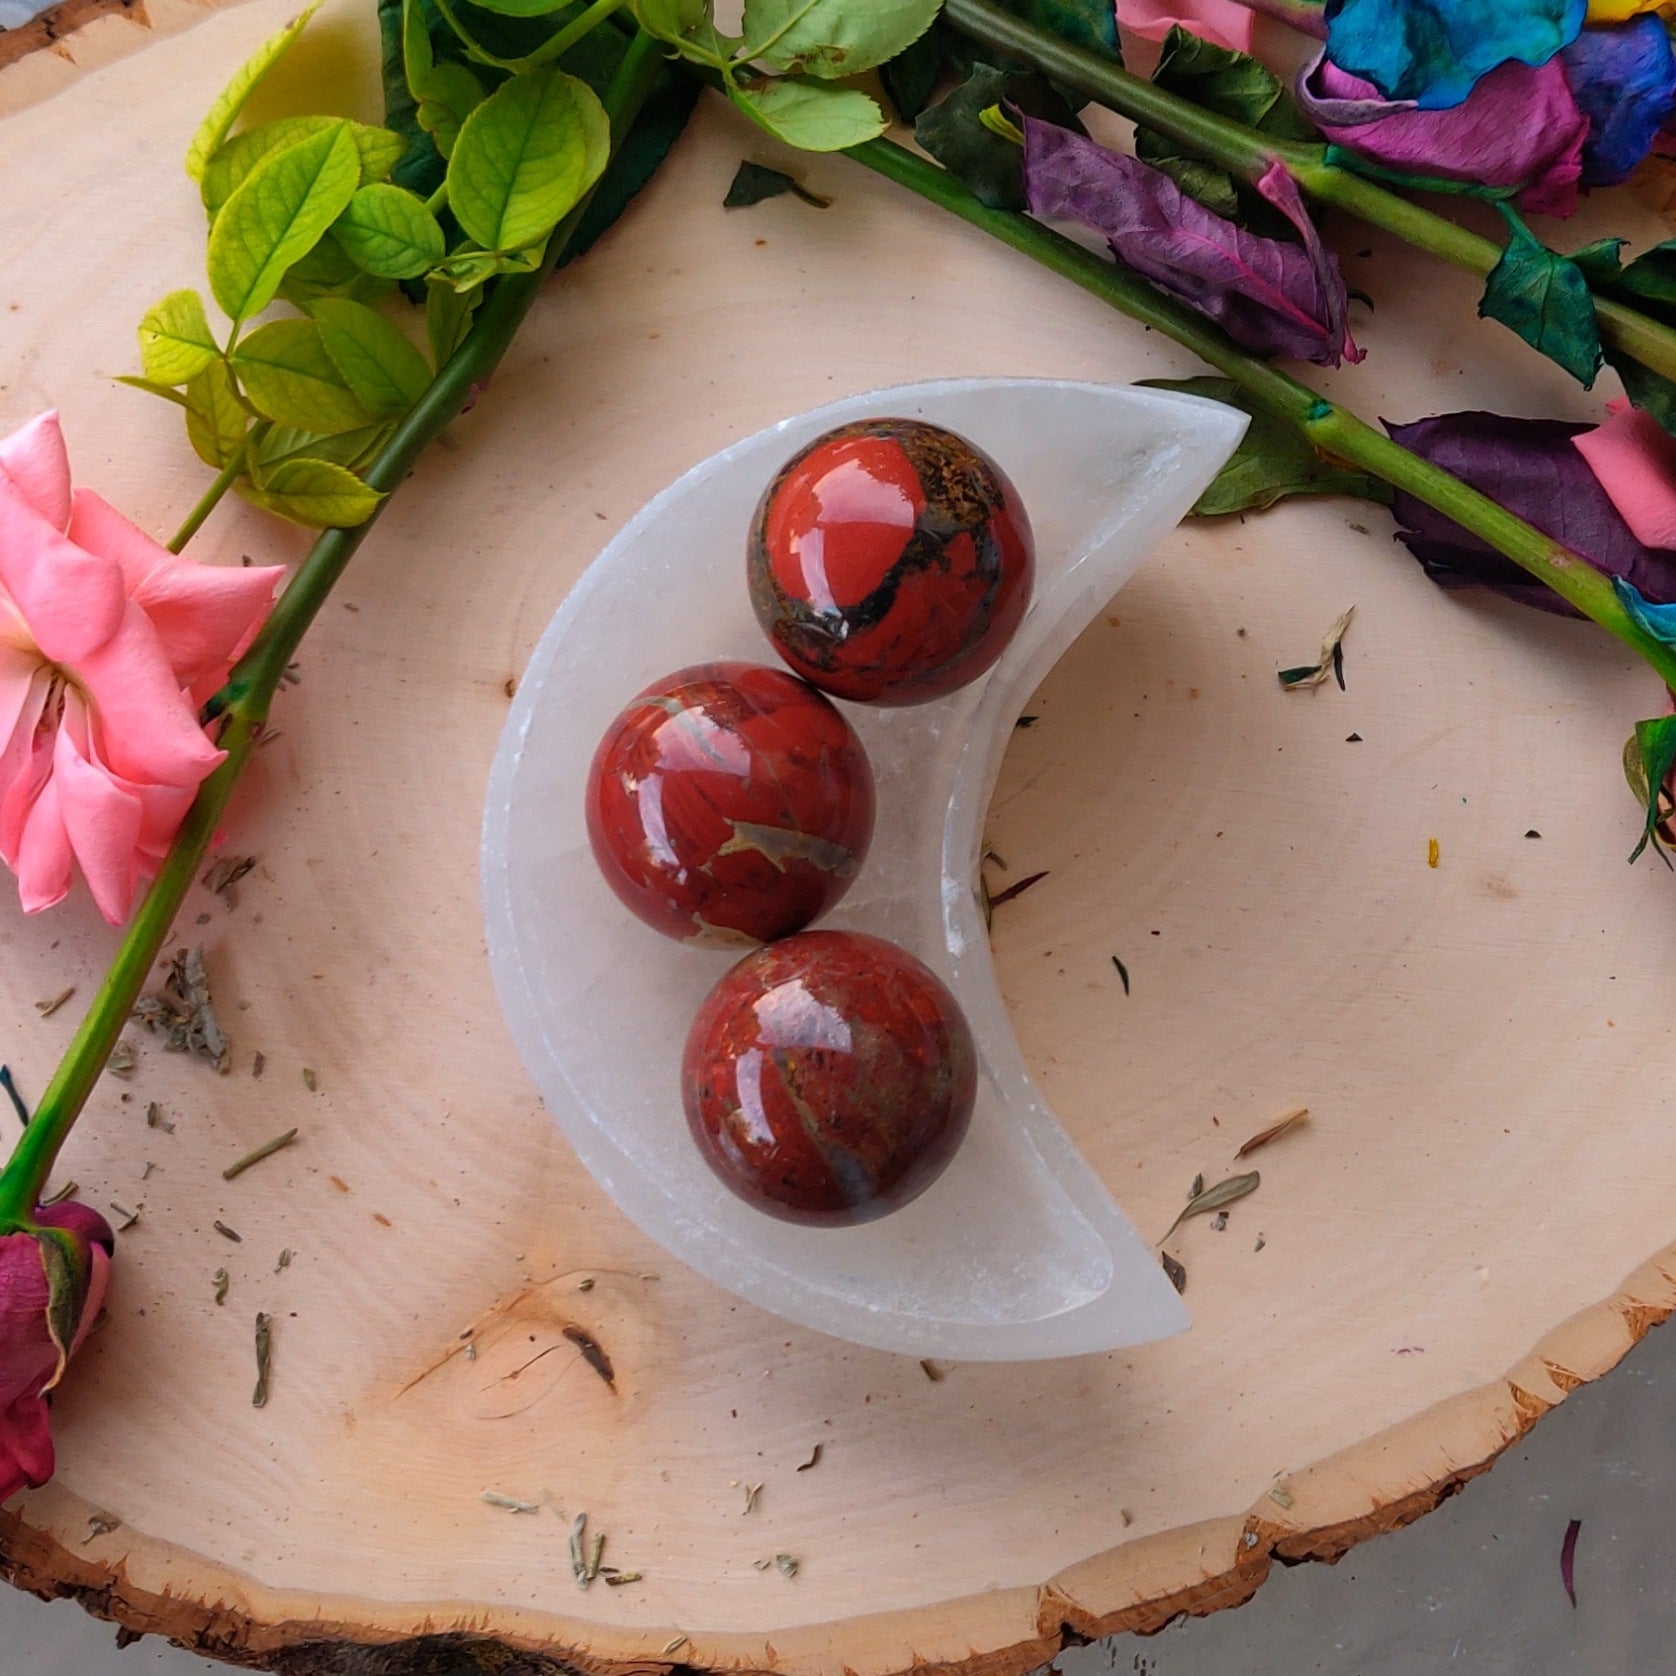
point(730, 801)
point(829, 1078)
point(890, 561)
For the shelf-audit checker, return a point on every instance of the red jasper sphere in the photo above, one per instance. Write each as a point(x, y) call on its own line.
point(730, 801)
point(890, 561)
point(829, 1078)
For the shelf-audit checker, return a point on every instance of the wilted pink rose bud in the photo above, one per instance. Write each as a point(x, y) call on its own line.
point(52, 1284)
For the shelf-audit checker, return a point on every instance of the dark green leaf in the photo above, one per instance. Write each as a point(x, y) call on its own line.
point(1546, 300)
point(1084, 23)
point(1651, 277)
point(421, 167)
point(1233, 85)
point(910, 77)
point(1655, 745)
point(1598, 262)
point(753, 183)
point(954, 132)
point(66, 1272)
point(1273, 461)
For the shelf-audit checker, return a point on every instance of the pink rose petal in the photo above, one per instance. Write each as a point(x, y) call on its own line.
point(205, 615)
point(1222, 22)
point(44, 857)
point(1634, 459)
point(71, 600)
point(102, 821)
point(35, 460)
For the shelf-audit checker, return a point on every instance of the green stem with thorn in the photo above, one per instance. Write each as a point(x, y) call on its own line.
point(242, 705)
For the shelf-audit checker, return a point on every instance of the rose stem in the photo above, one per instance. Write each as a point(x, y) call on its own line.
point(243, 702)
point(1336, 432)
point(1247, 154)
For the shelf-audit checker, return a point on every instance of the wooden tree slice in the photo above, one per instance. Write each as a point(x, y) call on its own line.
point(1484, 1044)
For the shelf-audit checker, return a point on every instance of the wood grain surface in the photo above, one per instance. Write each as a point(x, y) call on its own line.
point(1476, 1219)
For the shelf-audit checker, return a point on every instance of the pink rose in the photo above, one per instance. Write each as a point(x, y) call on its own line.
point(108, 644)
point(42, 1325)
point(1634, 460)
point(1222, 22)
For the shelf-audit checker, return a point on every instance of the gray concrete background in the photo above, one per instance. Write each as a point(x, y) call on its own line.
point(1474, 1587)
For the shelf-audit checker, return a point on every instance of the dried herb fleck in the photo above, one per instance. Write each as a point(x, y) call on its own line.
point(1274, 1131)
point(1018, 889)
point(753, 184)
point(223, 877)
point(578, 1559)
point(284, 1259)
point(1568, 1560)
point(788, 1564)
point(932, 1372)
point(1176, 1272)
point(264, 1360)
point(122, 1061)
point(154, 1118)
point(47, 1008)
point(752, 1491)
point(586, 1284)
point(100, 1524)
point(1214, 1198)
point(815, 1459)
point(128, 1217)
point(1197, 1188)
point(259, 1064)
point(228, 1233)
point(1122, 972)
point(67, 1191)
point(510, 1503)
point(596, 1552)
point(1434, 852)
point(616, 1579)
point(673, 1646)
point(1331, 661)
point(1280, 1496)
point(183, 1014)
point(310, 1081)
point(223, 1280)
point(266, 1150)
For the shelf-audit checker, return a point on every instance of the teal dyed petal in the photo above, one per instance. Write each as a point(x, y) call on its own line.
point(1434, 51)
point(1658, 621)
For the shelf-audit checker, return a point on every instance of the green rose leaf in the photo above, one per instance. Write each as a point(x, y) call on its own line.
point(1651, 277)
point(277, 216)
point(1273, 461)
point(327, 271)
point(1091, 24)
point(378, 149)
point(349, 449)
point(389, 232)
point(910, 78)
point(1653, 752)
point(1598, 262)
point(1546, 300)
point(176, 343)
point(315, 492)
point(954, 132)
point(231, 100)
point(386, 372)
point(452, 93)
point(832, 38)
point(448, 313)
point(523, 8)
point(152, 388)
point(525, 157)
point(64, 1261)
point(810, 115)
point(216, 420)
point(752, 184)
point(289, 377)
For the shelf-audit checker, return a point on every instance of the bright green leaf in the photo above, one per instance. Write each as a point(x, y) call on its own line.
point(277, 215)
point(389, 232)
point(1091, 24)
point(378, 149)
point(386, 372)
point(176, 343)
point(289, 377)
point(523, 8)
point(447, 318)
point(1546, 300)
point(216, 419)
point(467, 268)
point(1273, 462)
point(525, 157)
point(348, 449)
point(152, 388)
point(832, 38)
point(317, 493)
point(231, 100)
point(1653, 752)
point(688, 25)
point(452, 93)
point(810, 115)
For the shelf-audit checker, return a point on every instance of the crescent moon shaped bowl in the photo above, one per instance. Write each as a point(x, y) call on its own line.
point(1017, 1252)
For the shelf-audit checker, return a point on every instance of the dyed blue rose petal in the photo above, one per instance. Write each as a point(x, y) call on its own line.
point(1624, 80)
point(1434, 51)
